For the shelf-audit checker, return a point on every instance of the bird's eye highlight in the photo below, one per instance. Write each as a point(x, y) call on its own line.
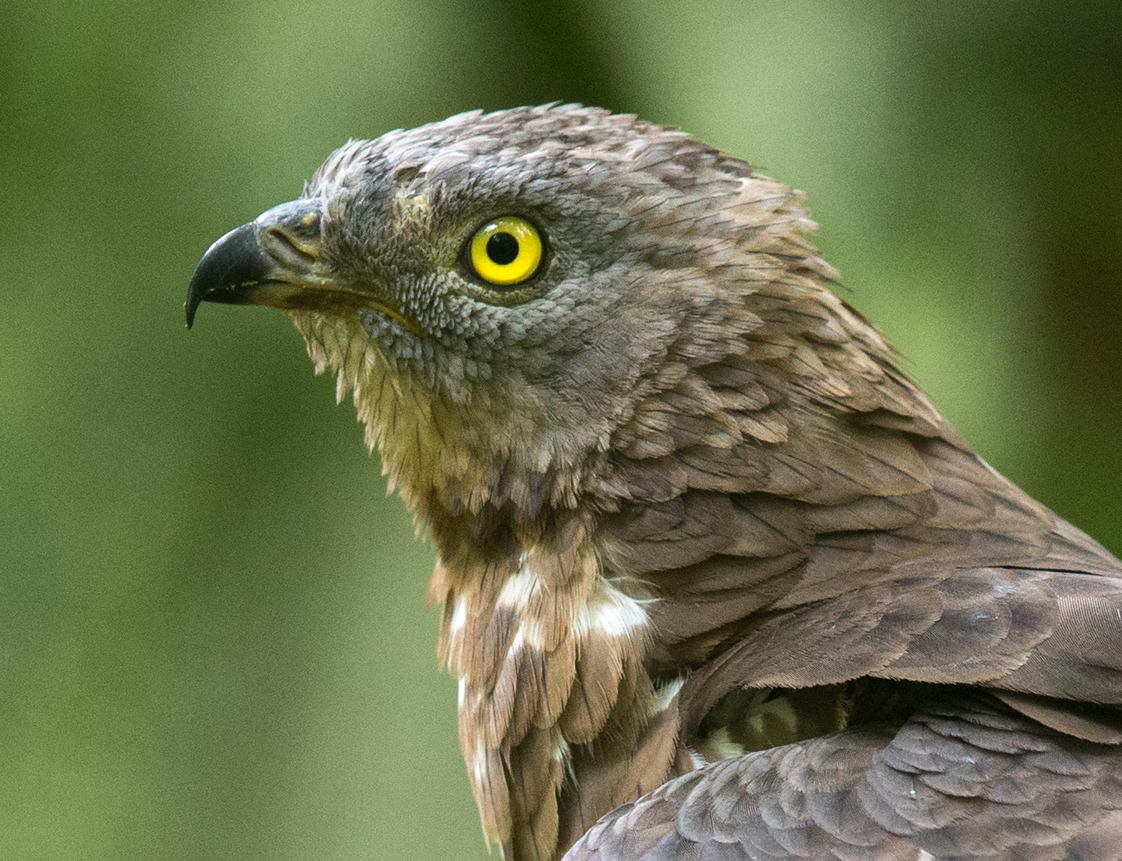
point(506, 251)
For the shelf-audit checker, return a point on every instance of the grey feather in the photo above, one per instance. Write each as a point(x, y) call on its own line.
point(688, 506)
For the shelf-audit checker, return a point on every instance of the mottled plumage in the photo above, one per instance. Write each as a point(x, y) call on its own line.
point(704, 550)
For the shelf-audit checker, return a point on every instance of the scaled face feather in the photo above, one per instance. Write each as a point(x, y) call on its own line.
point(522, 391)
point(704, 550)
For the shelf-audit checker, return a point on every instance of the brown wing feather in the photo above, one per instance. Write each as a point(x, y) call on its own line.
point(962, 777)
point(868, 541)
point(849, 533)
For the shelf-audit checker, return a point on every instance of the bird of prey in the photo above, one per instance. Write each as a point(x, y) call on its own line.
point(718, 580)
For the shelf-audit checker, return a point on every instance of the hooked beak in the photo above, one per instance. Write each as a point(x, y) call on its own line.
point(275, 260)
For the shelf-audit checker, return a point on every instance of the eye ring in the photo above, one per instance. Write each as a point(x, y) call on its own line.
point(506, 251)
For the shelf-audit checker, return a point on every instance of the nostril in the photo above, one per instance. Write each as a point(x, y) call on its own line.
point(284, 245)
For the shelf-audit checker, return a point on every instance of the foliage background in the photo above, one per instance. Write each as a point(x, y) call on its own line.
point(213, 638)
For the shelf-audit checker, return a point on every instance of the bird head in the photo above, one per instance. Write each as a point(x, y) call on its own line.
point(504, 292)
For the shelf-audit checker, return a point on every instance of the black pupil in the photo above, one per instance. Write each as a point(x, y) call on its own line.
point(502, 248)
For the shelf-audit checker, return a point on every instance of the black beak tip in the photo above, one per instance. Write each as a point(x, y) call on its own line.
point(232, 264)
point(191, 304)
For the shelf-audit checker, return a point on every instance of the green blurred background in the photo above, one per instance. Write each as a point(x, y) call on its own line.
point(213, 635)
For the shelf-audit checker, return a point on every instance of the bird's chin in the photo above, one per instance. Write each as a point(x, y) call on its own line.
point(376, 310)
point(394, 336)
point(332, 302)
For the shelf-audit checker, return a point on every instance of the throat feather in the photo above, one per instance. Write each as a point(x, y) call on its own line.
point(549, 656)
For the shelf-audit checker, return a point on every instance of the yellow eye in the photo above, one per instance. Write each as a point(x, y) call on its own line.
point(506, 251)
